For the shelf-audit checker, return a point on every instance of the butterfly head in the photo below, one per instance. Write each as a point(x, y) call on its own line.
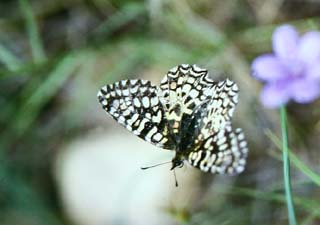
point(177, 162)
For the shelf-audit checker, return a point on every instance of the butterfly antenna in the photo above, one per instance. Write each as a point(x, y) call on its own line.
point(159, 164)
point(175, 178)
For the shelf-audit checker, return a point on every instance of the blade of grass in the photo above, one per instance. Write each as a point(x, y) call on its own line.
point(127, 14)
point(286, 166)
point(191, 27)
point(38, 53)
point(45, 92)
point(31, 107)
point(307, 204)
point(309, 219)
point(9, 59)
point(28, 69)
point(295, 160)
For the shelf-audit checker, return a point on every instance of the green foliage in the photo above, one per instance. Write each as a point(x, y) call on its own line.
point(298, 163)
point(34, 38)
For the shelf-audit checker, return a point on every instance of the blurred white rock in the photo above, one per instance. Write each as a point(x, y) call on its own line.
point(100, 181)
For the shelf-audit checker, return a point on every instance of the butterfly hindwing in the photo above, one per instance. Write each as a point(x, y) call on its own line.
point(135, 105)
point(222, 152)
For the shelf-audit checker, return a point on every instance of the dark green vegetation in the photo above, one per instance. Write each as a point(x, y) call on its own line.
point(55, 55)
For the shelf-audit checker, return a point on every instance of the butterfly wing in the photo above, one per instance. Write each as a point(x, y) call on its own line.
point(189, 110)
point(182, 90)
point(222, 152)
point(216, 147)
point(219, 109)
point(135, 105)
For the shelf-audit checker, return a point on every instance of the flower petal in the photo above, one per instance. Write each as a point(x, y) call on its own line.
point(285, 41)
point(268, 68)
point(275, 95)
point(309, 47)
point(304, 91)
point(313, 71)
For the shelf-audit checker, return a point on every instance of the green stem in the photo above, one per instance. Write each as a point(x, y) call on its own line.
point(33, 33)
point(286, 166)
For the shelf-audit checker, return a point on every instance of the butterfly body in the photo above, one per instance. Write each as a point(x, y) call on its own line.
point(189, 113)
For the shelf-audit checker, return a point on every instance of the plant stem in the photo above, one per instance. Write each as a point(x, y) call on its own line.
point(286, 166)
point(33, 33)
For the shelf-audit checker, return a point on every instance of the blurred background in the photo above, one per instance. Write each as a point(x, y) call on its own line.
point(63, 161)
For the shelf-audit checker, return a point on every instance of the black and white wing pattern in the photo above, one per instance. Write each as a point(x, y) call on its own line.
point(220, 108)
point(182, 90)
point(216, 147)
point(135, 105)
point(189, 113)
point(222, 152)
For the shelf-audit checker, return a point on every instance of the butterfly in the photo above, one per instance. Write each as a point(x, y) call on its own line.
point(188, 113)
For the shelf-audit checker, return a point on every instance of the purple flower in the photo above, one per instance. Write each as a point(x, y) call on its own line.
point(292, 71)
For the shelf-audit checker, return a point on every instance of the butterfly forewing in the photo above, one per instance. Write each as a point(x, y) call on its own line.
point(182, 90)
point(135, 105)
point(219, 110)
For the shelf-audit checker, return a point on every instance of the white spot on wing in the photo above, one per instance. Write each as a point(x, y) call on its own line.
point(145, 102)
